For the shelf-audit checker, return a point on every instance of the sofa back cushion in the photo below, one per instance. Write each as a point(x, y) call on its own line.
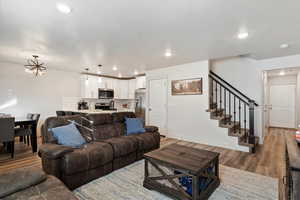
point(68, 135)
point(134, 126)
point(103, 125)
point(119, 121)
point(53, 122)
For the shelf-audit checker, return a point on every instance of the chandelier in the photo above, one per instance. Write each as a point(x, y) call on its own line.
point(35, 67)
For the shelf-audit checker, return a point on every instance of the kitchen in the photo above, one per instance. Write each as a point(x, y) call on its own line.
point(101, 94)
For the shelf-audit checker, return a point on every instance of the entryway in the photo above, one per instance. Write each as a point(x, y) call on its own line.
point(280, 94)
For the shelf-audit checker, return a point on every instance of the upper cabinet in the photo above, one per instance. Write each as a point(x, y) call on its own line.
point(140, 82)
point(131, 88)
point(123, 89)
point(89, 87)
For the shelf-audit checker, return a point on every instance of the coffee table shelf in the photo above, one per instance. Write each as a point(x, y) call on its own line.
point(166, 168)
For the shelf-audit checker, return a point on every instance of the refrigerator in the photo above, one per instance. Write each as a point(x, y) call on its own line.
point(140, 107)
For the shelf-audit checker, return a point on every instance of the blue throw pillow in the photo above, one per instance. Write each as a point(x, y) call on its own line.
point(134, 126)
point(68, 136)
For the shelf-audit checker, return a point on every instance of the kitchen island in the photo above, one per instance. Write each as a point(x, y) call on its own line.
point(102, 111)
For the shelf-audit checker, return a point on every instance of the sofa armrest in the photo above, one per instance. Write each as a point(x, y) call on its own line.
point(151, 129)
point(53, 151)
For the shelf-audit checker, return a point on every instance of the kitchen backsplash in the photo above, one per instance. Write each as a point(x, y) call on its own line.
point(71, 103)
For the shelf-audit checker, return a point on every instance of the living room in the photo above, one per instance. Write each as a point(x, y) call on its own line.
point(157, 100)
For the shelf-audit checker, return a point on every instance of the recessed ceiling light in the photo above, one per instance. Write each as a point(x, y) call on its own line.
point(282, 73)
point(284, 46)
point(168, 54)
point(243, 35)
point(63, 8)
point(115, 68)
point(136, 72)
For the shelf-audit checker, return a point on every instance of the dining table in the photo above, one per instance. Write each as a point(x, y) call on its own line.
point(23, 121)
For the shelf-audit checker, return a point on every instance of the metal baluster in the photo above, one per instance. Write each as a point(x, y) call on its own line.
point(220, 97)
point(234, 114)
point(240, 116)
point(245, 119)
point(225, 102)
point(212, 94)
point(216, 86)
point(229, 98)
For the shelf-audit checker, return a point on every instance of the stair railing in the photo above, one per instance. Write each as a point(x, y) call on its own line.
point(230, 102)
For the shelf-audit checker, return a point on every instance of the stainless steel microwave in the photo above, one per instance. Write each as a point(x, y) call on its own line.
point(105, 93)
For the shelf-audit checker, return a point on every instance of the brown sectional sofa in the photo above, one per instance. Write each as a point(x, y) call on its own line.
point(108, 149)
point(32, 183)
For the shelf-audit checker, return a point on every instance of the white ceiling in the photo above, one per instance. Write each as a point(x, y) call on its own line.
point(134, 34)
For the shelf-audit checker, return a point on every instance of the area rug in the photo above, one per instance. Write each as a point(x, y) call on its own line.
point(127, 183)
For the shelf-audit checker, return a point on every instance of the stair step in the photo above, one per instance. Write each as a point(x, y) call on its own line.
point(243, 141)
point(221, 117)
point(215, 110)
point(238, 133)
point(213, 105)
point(229, 124)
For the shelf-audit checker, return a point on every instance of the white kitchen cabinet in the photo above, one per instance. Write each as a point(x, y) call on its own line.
point(89, 87)
point(131, 88)
point(140, 82)
point(116, 88)
point(123, 89)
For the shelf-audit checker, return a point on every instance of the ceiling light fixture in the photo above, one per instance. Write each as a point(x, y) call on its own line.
point(115, 68)
point(284, 46)
point(87, 76)
point(243, 35)
point(63, 8)
point(99, 70)
point(282, 73)
point(34, 67)
point(120, 75)
point(168, 53)
point(136, 72)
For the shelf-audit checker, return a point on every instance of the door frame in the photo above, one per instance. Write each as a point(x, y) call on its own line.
point(148, 79)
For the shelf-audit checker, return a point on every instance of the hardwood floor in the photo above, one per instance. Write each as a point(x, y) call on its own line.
point(269, 159)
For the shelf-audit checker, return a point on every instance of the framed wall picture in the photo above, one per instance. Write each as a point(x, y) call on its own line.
point(187, 87)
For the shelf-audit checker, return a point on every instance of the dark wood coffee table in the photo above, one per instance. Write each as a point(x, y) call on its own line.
point(165, 167)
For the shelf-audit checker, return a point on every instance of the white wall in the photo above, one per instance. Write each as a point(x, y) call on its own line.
point(22, 93)
point(187, 116)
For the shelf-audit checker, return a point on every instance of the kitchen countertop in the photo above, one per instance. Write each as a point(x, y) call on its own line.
point(103, 111)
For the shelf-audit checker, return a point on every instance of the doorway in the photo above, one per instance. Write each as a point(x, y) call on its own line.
point(157, 103)
point(280, 95)
point(282, 106)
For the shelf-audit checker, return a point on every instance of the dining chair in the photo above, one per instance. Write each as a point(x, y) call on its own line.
point(29, 116)
point(7, 134)
point(26, 134)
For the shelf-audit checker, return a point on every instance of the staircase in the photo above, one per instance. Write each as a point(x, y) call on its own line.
point(234, 111)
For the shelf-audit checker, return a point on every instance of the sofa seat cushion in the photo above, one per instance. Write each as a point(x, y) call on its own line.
point(122, 145)
point(146, 141)
point(50, 189)
point(91, 156)
point(20, 179)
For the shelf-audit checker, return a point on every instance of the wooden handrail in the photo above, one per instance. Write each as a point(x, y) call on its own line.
point(214, 75)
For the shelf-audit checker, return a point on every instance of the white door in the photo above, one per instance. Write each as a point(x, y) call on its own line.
point(157, 104)
point(282, 102)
